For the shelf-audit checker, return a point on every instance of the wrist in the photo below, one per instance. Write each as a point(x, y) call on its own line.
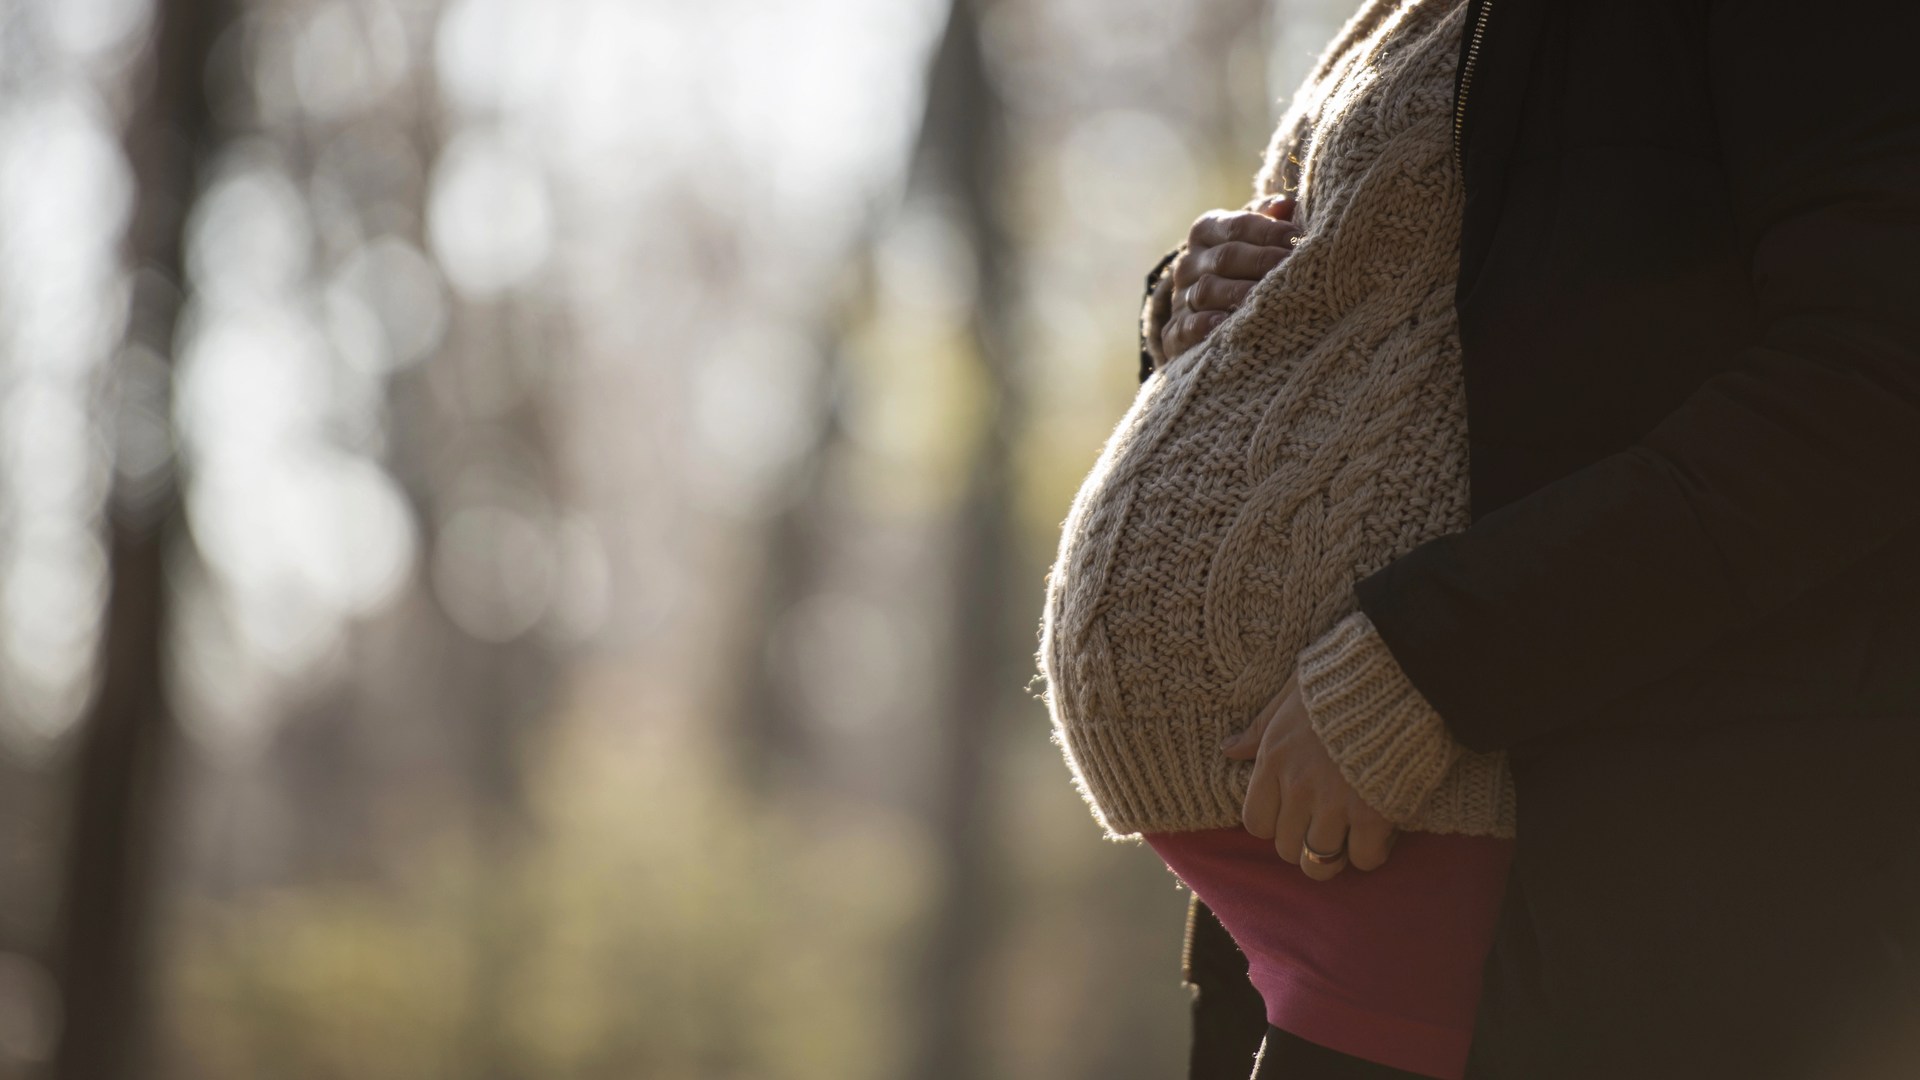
point(1389, 743)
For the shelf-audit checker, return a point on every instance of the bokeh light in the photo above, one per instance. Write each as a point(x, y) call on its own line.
point(571, 441)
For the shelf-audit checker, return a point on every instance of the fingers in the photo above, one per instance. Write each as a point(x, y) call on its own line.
point(1261, 808)
point(1185, 331)
point(1198, 308)
point(1227, 251)
point(1262, 804)
point(1235, 259)
point(1318, 869)
point(1298, 798)
point(1325, 834)
point(1216, 294)
point(1245, 745)
point(1278, 207)
point(1290, 828)
point(1368, 842)
point(1303, 824)
point(1216, 227)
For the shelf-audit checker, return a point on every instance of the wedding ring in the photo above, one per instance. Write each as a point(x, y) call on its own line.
point(1319, 859)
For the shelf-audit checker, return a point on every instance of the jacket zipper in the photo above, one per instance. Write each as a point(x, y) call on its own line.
point(1466, 81)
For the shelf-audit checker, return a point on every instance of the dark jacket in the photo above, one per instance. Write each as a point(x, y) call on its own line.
point(1688, 603)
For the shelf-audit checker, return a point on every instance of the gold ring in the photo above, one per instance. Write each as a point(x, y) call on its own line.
point(1319, 859)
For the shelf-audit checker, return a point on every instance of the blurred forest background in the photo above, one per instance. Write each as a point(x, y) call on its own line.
point(522, 527)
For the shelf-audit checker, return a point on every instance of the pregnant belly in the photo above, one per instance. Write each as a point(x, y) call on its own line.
point(1217, 535)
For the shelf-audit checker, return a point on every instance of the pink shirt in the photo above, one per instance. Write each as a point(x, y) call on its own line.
point(1383, 965)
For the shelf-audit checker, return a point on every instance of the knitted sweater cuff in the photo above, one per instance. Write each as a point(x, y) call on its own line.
point(1391, 745)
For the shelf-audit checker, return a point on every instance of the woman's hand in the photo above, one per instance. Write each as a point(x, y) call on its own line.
point(1227, 252)
point(1297, 797)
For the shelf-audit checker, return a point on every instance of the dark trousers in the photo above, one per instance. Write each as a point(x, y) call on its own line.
point(1231, 1037)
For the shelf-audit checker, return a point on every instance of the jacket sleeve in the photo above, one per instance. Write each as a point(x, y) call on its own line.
point(1154, 308)
point(1775, 475)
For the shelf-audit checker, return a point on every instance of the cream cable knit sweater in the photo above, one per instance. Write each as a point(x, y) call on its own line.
point(1316, 435)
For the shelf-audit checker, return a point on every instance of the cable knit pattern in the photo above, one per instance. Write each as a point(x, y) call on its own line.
point(1319, 433)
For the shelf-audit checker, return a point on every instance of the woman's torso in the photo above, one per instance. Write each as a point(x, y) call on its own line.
point(1316, 435)
point(1384, 965)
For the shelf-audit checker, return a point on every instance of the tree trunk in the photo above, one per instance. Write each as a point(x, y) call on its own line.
point(963, 151)
point(118, 794)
